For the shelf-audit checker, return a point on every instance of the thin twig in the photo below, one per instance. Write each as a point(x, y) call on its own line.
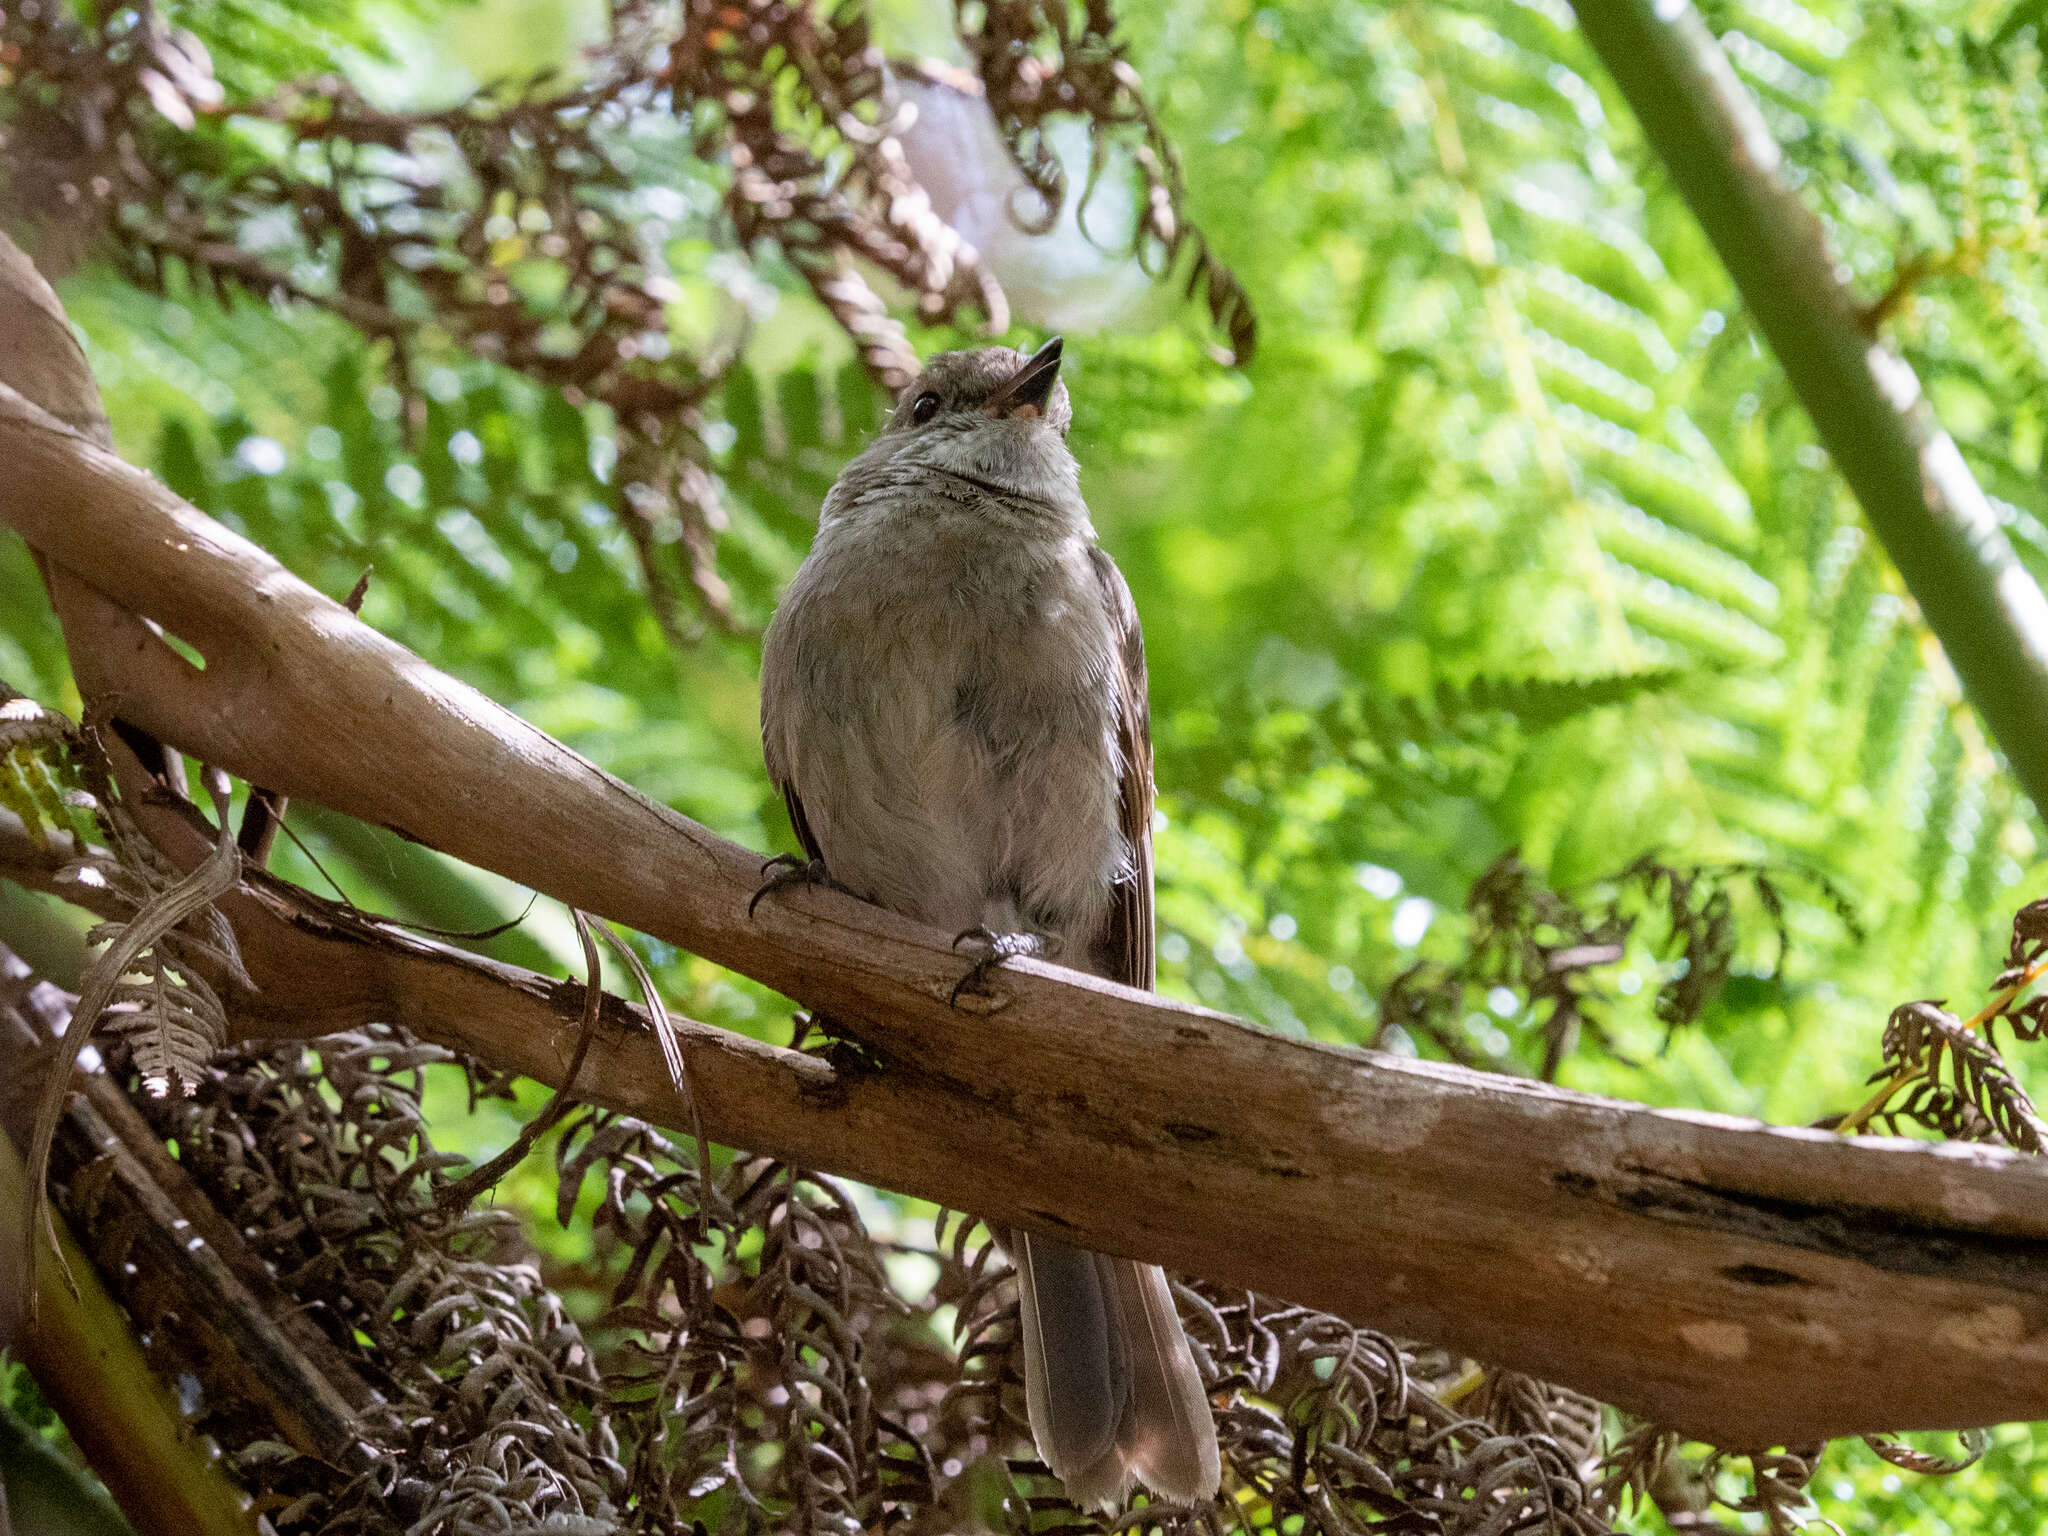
point(458, 1194)
point(671, 1047)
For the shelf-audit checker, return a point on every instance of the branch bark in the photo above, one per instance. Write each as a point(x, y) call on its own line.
point(1752, 1284)
point(1865, 402)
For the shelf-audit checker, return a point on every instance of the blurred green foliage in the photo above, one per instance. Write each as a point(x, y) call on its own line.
point(1512, 536)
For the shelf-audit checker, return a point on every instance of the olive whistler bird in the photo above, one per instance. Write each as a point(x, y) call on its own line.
point(953, 706)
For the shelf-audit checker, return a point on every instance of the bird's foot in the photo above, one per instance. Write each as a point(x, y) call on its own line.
point(992, 950)
point(787, 869)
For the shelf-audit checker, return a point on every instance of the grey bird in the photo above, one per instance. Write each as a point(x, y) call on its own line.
point(953, 707)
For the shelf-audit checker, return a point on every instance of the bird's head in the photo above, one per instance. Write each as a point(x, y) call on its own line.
point(993, 413)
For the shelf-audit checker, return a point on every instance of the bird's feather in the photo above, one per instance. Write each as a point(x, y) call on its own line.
point(1075, 1374)
point(1123, 951)
point(1168, 1434)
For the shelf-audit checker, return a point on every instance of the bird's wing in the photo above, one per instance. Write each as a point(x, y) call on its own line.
point(806, 839)
point(1123, 950)
point(775, 664)
point(1166, 1432)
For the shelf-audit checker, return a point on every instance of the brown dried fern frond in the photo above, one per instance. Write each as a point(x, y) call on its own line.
point(427, 228)
point(752, 1365)
point(488, 1390)
point(1549, 947)
point(143, 983)
point(1982, 1101)
point(1947, 1074)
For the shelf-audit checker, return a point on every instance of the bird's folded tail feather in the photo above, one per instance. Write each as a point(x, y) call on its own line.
point(1168, 1434)
point(1110, 1383)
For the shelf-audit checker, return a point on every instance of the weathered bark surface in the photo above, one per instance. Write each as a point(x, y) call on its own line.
point(1750, 1283)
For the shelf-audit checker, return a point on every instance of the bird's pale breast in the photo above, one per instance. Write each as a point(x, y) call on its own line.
point(950, 722)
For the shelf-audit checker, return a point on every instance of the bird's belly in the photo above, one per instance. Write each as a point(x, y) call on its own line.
point(969, 784)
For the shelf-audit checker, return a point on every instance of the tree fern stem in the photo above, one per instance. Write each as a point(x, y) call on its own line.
point(1864, 400)
point(88, 1362)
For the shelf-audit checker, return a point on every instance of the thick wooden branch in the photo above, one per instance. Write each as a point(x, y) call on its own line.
point(1749, 1283)
point(1756, 1284)
point(320, 968)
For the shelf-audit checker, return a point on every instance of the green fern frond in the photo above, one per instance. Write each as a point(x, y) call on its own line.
point(1539, 703)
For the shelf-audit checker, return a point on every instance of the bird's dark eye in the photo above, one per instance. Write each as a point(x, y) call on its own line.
point(925, 409)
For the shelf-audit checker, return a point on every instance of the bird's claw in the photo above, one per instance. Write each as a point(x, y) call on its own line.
point(787, 869)
point(995, 949)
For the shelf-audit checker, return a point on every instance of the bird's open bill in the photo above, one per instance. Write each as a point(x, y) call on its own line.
point(1026, 391)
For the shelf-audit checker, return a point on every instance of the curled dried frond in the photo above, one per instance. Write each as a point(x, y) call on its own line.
point(1778, 1489)
point(1982, 1092)
point(144, 981)
point(487, 1387)
point(1323, 1422)
point(1639, 1468)
point(1519, 1404)
point(1035, 61)
point(1981, 1099)
point(2029, 939)
point(149, 984)
point(764, 1362)
point(1911, 1458)
point(1938, 1108)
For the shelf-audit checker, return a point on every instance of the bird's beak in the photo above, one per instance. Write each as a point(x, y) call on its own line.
point(1025, 392)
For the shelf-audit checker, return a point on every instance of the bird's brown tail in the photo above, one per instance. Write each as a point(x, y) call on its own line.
point(1109, 1380)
